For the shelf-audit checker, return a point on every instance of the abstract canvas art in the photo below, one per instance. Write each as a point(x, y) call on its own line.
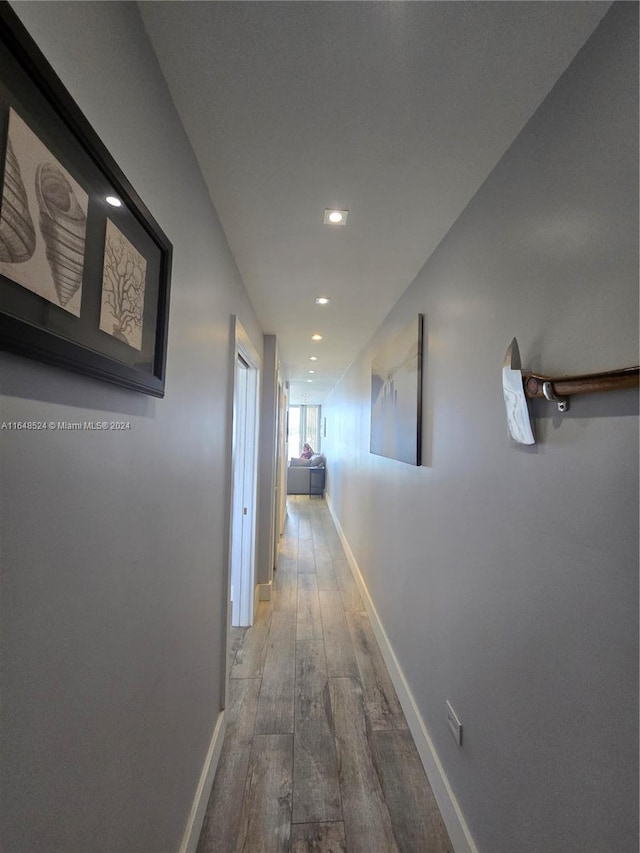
point(396, 396)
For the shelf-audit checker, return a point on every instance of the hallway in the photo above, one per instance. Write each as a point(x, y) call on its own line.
point(317, 755)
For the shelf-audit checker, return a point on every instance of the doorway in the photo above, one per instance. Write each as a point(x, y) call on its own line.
point(244, 481)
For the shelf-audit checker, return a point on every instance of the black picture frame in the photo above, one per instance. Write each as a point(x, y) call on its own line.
point(61, 305)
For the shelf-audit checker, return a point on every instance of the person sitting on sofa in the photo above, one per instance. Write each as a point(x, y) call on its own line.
point(307, 451)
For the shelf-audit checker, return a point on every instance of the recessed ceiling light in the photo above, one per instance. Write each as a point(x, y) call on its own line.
point(335, 217)
point(311, 371)
point(313, 358)
point(316, 337)
point(309, 380)
point(322, 300)
point(113, 201)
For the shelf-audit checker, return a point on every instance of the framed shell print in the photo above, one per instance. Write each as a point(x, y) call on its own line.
point(84, 267)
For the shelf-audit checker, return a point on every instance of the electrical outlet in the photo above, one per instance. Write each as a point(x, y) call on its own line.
point(455, 726)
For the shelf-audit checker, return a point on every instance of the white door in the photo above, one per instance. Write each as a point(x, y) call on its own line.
point(239, 508)
point(244, 378)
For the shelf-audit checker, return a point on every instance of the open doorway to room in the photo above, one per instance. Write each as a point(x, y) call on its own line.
point(244, 480)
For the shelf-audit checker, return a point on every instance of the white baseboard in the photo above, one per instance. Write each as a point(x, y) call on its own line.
point(447, 803)
point(263, 591)
point(203, 791)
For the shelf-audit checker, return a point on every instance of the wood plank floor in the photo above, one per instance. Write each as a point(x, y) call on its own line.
point(317, 756)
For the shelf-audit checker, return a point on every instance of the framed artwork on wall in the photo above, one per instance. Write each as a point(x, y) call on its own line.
point(84, 268)
point(396, 396)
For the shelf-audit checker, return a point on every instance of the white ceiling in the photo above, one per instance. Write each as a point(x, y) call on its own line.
point(396, 111)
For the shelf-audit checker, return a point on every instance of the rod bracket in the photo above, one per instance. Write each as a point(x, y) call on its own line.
point(549, 393)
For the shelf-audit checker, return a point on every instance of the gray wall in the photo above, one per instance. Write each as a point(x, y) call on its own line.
point(113, 545)
point(507, 577)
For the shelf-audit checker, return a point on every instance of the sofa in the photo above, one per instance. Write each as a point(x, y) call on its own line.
point(298, 473)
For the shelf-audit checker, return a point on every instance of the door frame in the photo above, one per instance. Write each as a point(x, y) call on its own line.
point(242, 480)
point(245, 350)
point(281, 464)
